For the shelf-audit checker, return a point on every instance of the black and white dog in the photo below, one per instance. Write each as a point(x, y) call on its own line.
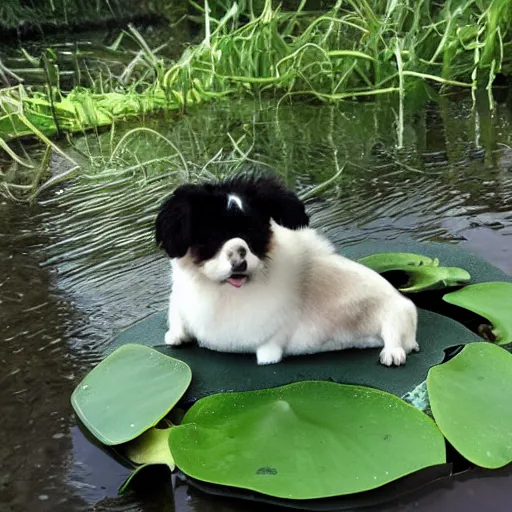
point(248, 275)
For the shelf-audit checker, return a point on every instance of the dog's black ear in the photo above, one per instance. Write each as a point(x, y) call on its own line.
point(271, 196)
point(173, 230)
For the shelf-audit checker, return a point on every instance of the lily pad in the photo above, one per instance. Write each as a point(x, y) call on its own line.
point(472, 404)
point(424, 273)
point(152, 447)
point(370, 501)
point(306, 440)
point(129, 392)
point(221, 372)
point(144, 477)
point(151, 452)
point(490, 300)
point(386, 261)
point(216, 372)
point(448, 254)
point(434, 278)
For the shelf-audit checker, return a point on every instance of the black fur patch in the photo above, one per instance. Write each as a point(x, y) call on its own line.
point(197, 217)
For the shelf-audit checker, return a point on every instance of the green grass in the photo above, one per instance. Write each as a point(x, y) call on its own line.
point(359, 49)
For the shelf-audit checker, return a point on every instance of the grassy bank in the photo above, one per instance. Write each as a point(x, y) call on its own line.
point(359, 49)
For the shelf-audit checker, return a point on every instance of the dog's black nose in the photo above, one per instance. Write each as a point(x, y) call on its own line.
point(239, 266)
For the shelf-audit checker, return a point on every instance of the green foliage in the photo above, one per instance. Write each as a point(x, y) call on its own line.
point(296, 442)
point(472, 405)
point(434, 278)
point(490, 300)
point(305, 440)
point(353, 50)
point(151, 447)
point(450, 254)
point(423, 272)
point(27, 114)
point(387, 261)
point(142, 477)
point(129, 392)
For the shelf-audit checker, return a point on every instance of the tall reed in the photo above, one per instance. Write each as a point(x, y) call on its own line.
point(357, 49)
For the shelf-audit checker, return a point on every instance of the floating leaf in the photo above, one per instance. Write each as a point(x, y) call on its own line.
point(306, 440)
point(216, 372)
point(432, 278)
point(372, 500)
point(129, 392)
point(424, 273)
point(386, 261)
point(472, 404)
point(142, 476)
point(150, 450)
point(450, 256)
point(490, 300)
point(152, 447)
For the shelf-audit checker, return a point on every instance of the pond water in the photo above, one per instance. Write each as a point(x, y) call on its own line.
point(80, 264)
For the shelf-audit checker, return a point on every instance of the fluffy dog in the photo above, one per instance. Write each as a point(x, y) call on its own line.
point(249, 275)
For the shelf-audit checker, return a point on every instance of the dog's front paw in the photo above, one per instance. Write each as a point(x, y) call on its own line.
point(390, 356)
point(173, 338)
point(269, 354)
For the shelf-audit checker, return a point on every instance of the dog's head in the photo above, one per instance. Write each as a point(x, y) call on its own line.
point(223, 229)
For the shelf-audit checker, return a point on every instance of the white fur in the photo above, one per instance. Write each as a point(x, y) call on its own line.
point(219, 267)
point(304, 299)
point(235, 200)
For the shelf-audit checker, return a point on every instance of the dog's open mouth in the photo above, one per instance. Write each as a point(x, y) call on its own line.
point(237, 280)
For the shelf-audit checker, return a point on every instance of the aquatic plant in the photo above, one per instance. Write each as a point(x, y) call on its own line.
point(354, 50)
point(281, 437)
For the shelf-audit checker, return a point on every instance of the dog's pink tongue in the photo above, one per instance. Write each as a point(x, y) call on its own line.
point(237, 281)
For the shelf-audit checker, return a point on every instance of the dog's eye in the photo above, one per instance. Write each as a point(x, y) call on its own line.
point(203, 252)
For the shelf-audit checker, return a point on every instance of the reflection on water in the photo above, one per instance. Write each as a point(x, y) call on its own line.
point(37, 371)
point(451, 182)
point(100, 60)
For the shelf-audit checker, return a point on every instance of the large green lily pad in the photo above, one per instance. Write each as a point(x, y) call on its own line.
point(472, 404)
point(306, 440)
point(423, 273)
point(490, 300)
point(220, 372)
point(371, 501)
point(448, 255)
point(216, 372)
point(129, 392)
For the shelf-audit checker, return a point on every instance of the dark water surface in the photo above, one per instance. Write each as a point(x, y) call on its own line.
point(80, 265)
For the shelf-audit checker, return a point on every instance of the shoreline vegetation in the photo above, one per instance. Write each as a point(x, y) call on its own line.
point(354, 50)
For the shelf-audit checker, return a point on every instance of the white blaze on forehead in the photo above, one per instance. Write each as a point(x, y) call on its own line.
point(234, 200)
